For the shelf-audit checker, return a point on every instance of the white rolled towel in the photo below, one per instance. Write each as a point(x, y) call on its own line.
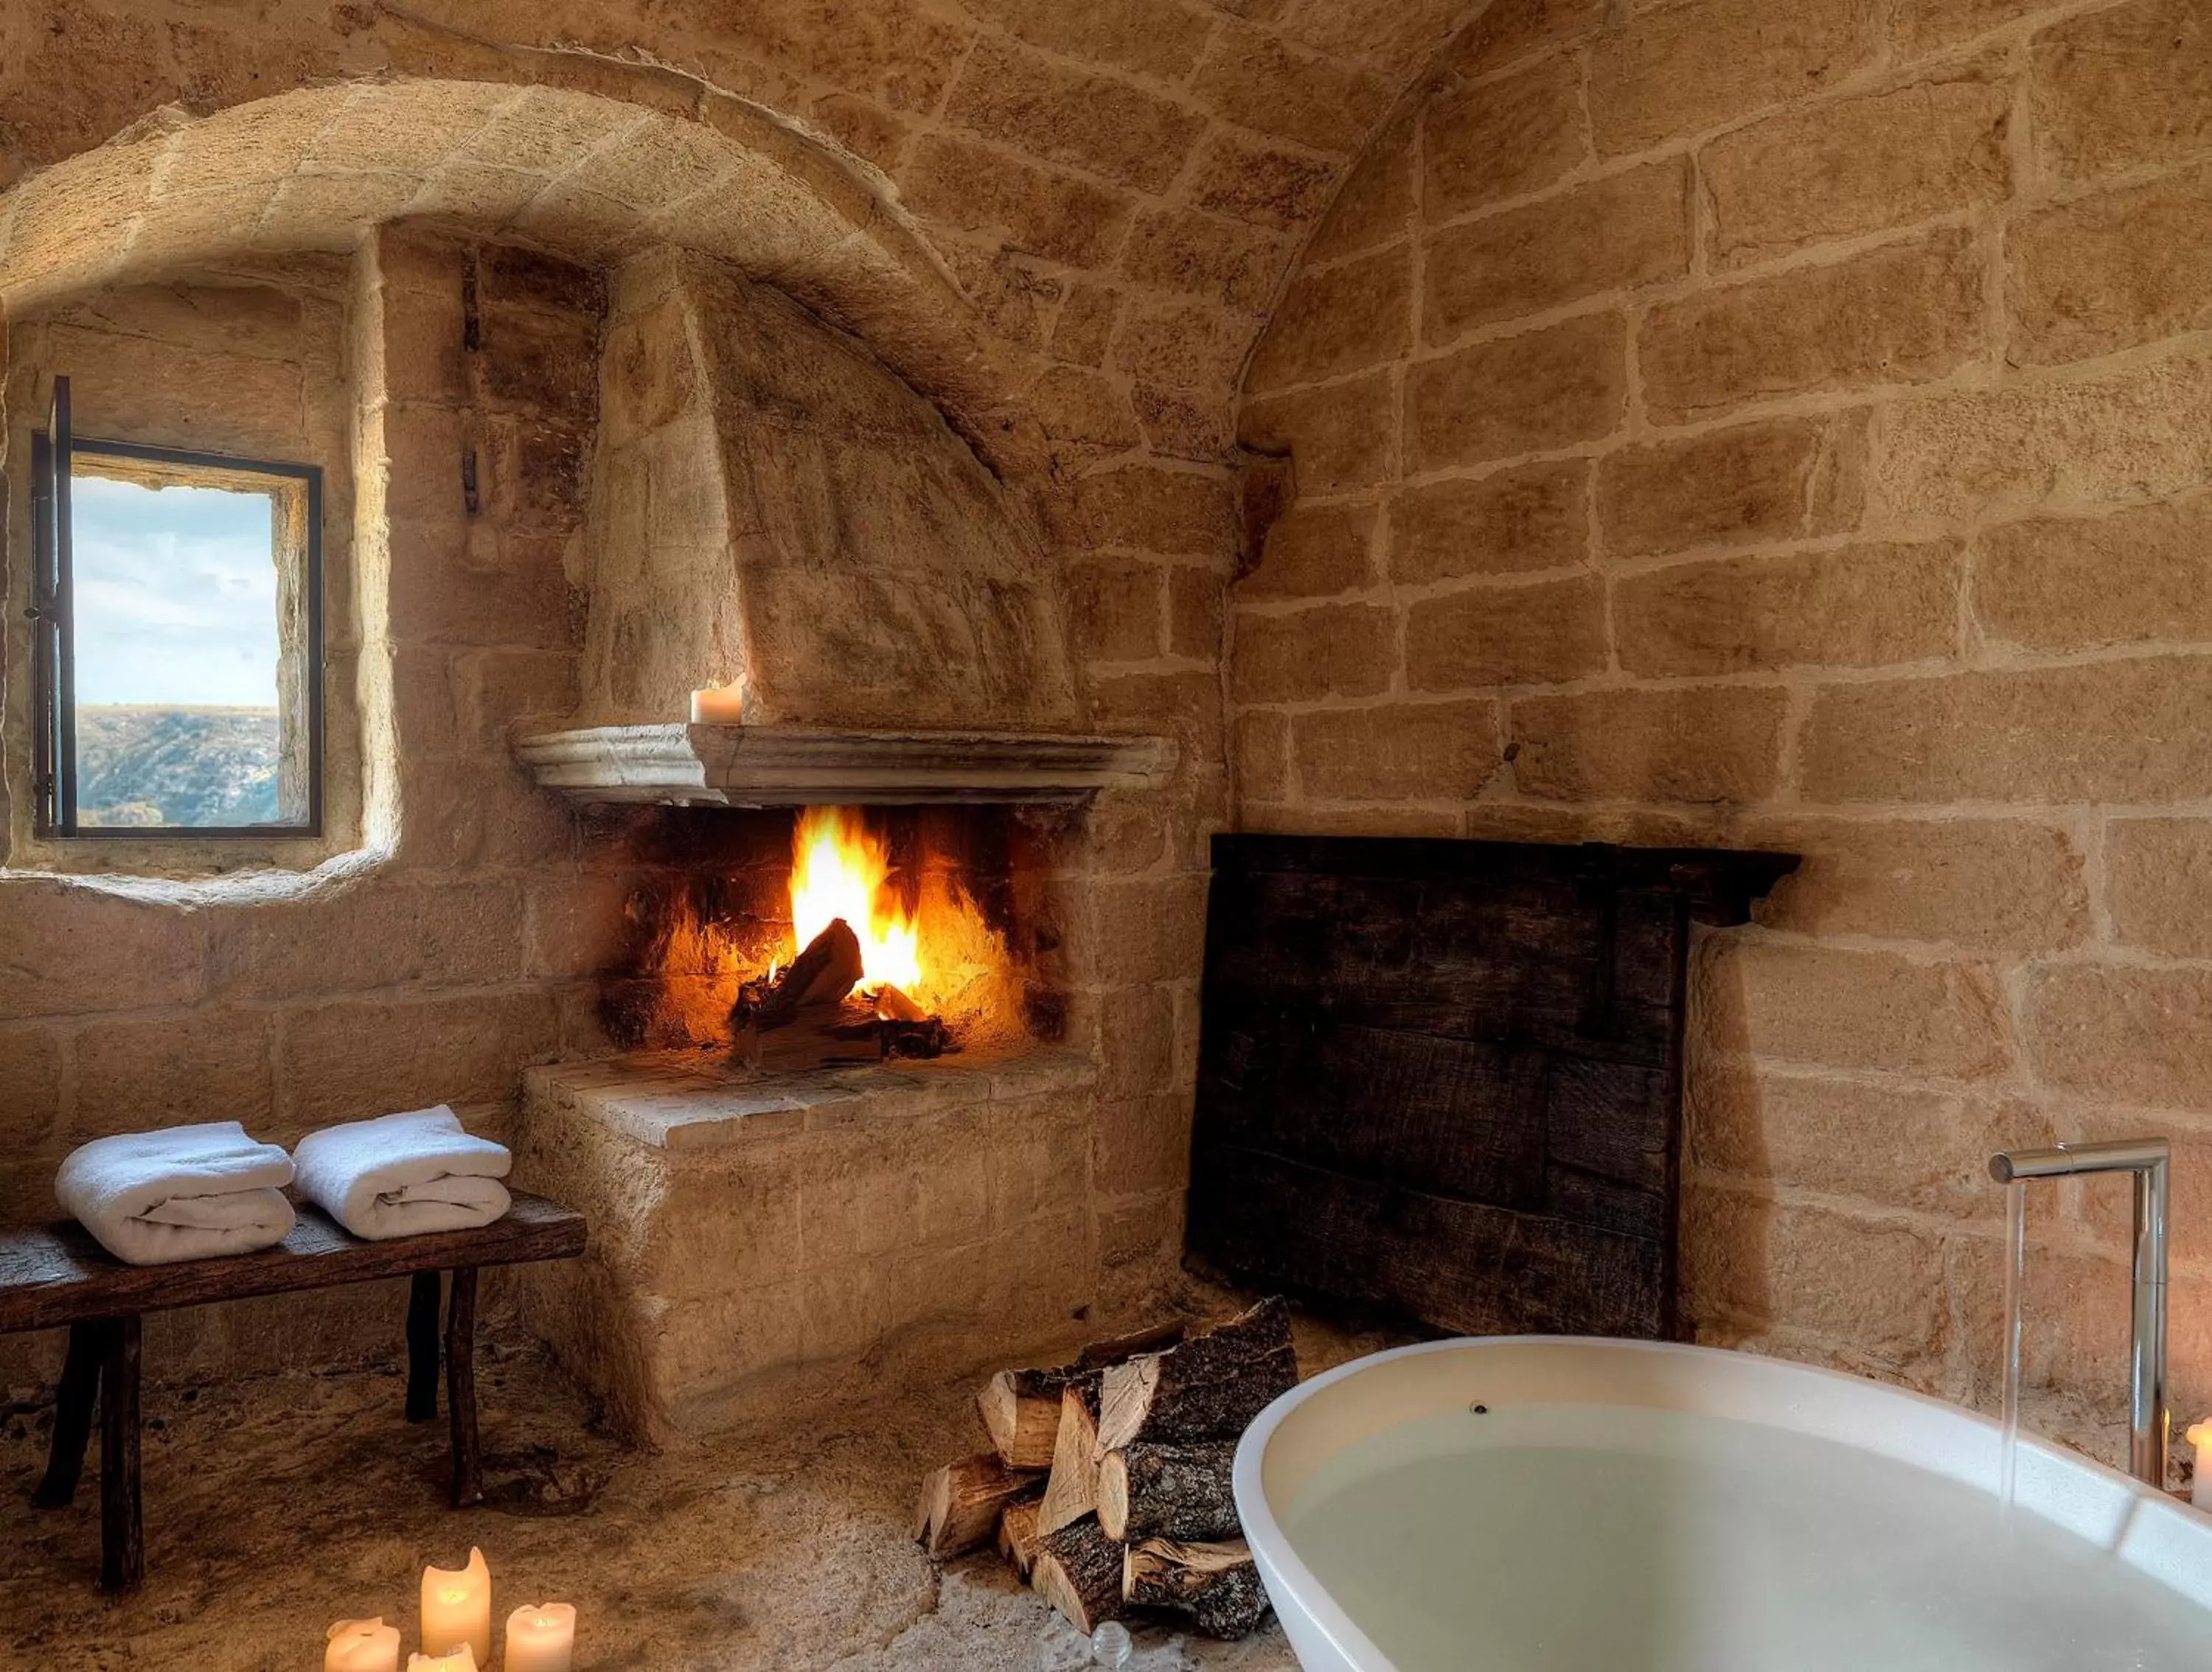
point(185, 1194)
point(404, 1175)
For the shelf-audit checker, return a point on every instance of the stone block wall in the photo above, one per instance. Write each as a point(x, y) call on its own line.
point(1727, 421)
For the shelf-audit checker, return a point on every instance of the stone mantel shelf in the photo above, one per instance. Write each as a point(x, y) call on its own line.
point(789, 766)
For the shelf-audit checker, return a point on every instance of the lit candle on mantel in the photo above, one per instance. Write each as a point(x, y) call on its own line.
point(463, 1659)
point(362, 1645)
point(717, 705)
point(2200, 1488)
point(457, 1610)
point(541, 1637)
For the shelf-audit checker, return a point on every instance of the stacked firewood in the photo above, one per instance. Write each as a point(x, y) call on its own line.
point(1107, 1486)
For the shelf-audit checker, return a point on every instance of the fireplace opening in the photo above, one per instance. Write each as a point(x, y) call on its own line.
point(798, 938)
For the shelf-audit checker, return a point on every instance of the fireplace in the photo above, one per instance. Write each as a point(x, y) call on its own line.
point(727, 913)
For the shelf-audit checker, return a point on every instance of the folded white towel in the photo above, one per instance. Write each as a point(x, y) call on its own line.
point(404, 1175)
point(185, 1194)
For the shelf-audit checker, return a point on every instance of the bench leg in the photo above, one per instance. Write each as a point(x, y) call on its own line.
point(423, 1348)
point(72, 1418)
point(461, 1387)
point(122, 1532)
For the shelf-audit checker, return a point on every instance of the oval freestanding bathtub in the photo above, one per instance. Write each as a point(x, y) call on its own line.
point(1538, 1504)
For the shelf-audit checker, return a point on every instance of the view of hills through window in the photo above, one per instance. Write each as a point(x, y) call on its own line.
point(176, 650)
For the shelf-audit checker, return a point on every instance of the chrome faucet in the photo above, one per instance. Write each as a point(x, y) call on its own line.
point(2147, 1159)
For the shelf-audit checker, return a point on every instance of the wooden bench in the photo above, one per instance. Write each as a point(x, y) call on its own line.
point(57, 1274)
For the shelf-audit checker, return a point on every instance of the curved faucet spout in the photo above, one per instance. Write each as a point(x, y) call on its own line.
point(2149, 1160)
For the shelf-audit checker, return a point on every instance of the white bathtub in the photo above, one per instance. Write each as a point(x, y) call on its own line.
point(1627, 1506)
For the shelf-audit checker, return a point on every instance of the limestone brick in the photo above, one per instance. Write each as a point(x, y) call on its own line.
point(2158, 884)
point(1541, 635)
point(1859, 606)
point(1989, 885)
point(1316, 551)
point(1249, 180)
point(2109, 272)
point(1745, 484)
point(1543, 389)
point(1527, 517)
point(2131, 731)
point(1625, 230)
point(1196, 612)
point(1850, 1009)
point(1433, 751)
point(1104, 125)
point(1508, 30)
point(1856, 164)
point(1698, 744)
point(2144, 430)
point(354, 1058)
point(1902, 313)
point(2069, 583)
point(1156, 37)
point(1226, 261)
point(1263, 758)
point(2128, 85)
point(1060, 217)
point(136, 1074)
point(1253, 77)
point(1503, 139)
point(1342, 437)
point(1671, 71)
point(1114, 609)
point(2131, 1036)
point(1375, 204)
point(1331, 650)
point(1336, 321)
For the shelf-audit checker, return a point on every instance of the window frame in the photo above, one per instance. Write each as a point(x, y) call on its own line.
point(54, 452)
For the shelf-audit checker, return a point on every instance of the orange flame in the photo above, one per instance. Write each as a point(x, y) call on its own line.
point(839, 870)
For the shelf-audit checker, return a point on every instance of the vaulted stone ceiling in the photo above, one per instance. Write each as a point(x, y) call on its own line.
point(1116, 186)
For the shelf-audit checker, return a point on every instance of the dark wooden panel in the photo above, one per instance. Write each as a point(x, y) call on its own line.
point(1444, 1078)
point(56, 1274)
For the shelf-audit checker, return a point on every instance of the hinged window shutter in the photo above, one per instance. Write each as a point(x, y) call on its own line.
point(54, 744)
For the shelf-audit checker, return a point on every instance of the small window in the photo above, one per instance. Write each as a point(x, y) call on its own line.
point(179, 654)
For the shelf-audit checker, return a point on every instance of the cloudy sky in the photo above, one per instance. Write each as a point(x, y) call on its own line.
point(176, 594)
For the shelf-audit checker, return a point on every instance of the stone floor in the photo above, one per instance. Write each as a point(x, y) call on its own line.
point(275, 1507)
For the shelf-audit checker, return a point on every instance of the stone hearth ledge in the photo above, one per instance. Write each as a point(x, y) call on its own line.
point(762, 1239)
point(779, 766)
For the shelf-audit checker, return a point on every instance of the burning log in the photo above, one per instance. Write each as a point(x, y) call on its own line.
point(1208, 1389)
point(820, 978)
point(893, 1006)
point(961, 1504)
point(1169, 1492)
point(1218, 1585)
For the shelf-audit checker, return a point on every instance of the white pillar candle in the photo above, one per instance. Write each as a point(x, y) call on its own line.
point(362, 1645)
point(717, 705)
point(463, 1659)
point(541, 1637)
point(457, 1609)
point(2200, 1487)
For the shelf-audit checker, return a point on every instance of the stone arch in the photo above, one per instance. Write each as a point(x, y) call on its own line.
point(580, 174)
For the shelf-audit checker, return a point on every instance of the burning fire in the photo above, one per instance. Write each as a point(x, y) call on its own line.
point(839, 870)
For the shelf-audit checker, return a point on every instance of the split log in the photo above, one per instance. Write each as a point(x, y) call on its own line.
point(1078, 1570)
point(1116, 1348)
point(892, 1004)
point(1169, 1492)
point(1017, 1534)
point(820, 978)
point(1072, 1491)
point(1209, 1388)
point(1218, 1585)
point(1020, 1408)
point(961, 1503)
